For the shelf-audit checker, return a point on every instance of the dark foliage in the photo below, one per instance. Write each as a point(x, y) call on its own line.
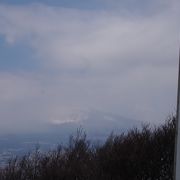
point(145, 154)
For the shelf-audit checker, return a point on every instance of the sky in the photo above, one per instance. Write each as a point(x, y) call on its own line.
point(63, 56)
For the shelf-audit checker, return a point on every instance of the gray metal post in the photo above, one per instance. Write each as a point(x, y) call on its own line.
point(177, 133)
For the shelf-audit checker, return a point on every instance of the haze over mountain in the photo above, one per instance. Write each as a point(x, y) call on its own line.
point(96, 124)
point(93, 122)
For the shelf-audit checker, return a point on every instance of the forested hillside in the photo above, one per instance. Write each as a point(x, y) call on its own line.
point(140, 154)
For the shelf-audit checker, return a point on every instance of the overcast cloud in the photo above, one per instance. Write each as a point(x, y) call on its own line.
point(110, 60)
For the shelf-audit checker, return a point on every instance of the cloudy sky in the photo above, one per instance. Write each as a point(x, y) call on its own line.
point(61, 56)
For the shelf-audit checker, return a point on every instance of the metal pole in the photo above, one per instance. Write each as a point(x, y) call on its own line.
point(177, 133)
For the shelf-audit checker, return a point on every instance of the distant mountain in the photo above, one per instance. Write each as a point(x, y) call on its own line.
point(95, 123)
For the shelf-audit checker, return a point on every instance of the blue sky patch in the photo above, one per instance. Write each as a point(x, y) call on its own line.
point(16, 57)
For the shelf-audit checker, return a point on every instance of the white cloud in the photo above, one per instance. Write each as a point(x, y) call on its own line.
point(76, 38)
point(116, 63)
point(17, 87)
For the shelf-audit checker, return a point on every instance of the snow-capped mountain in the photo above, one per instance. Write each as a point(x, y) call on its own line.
point(94, 123)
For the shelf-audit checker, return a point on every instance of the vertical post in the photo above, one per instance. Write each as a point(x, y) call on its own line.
point(177, 133)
